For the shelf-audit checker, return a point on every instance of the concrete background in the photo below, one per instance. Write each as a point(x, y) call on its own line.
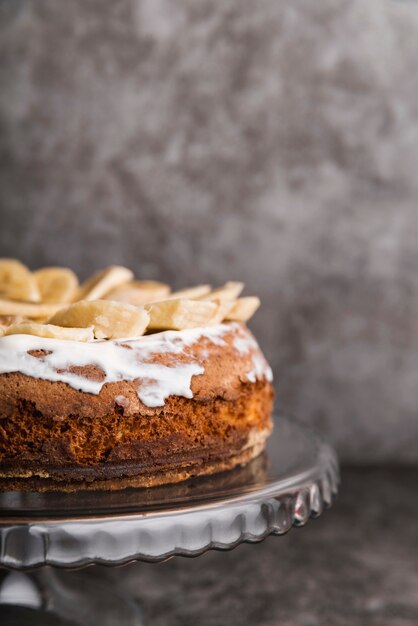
point(266, 141)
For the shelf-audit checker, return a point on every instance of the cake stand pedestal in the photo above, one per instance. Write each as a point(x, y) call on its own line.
point(42, 536)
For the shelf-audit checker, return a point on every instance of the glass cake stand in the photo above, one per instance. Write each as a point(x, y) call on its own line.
point(292, 481)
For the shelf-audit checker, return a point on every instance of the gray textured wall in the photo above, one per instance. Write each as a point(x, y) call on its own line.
point(274, 142)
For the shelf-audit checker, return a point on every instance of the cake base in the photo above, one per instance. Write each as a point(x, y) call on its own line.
point(169, 444)
point(123, 476)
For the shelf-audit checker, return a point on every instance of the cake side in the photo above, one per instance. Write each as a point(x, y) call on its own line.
point(51, 429)
point(185, 438)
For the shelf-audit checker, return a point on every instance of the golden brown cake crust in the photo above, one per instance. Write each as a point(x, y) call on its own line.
point(58, 436)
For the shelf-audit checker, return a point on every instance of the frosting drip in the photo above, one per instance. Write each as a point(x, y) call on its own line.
point(247, 344)
point(124, 360)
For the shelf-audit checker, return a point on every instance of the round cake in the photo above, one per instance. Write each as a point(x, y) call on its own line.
point(108, 392)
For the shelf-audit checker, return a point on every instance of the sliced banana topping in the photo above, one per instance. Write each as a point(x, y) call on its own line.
point(139, 292)
point(28, 310)
point(109, 320)
point(227, 293)
point(8, 320)
point(181, 314)
point(243, 308)
point(224, 307)
point(17, 282)
point(104, 281)
point(190, 293)
point(110, 305)
point(50, 331)
point(56, 284)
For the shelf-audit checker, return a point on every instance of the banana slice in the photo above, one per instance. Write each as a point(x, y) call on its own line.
point(56, 284)
point(243, 309)
point(51, 331)
point(191, 293)
point(181, 314)
point(104, 281)
point(27, 310)
point(227, 293)
point(17, 282)
point(8, 320)
point(139, 292)
point(224, 307)
point(110, 320)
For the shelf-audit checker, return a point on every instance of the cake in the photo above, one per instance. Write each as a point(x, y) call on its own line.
point(118, 382)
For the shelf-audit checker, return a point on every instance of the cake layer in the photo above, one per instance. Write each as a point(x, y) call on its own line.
point(116, 478)
point(184, 432)
point(135, 374)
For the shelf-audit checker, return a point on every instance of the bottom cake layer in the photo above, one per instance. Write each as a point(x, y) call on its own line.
point(124, 476)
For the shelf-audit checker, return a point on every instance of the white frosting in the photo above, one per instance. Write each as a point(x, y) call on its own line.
point(124, 360)
point(261, 369)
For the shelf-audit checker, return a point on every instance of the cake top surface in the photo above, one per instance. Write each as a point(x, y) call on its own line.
point(111, 305)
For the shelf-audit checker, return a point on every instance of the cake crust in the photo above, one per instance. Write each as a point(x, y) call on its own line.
point(53, 436)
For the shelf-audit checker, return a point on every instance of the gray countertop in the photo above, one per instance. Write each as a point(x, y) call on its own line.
point(357, 564)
